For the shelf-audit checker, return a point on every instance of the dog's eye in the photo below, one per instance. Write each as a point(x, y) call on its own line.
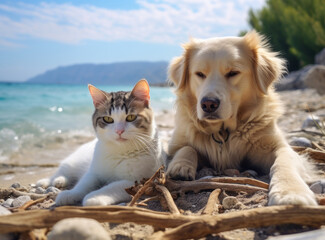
point(231, 74)
point(200, 75)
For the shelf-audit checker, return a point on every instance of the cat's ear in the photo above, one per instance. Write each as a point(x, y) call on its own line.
point(97, 95)
point(141, 90)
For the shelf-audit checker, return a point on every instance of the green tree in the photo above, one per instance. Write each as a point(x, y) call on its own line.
point(295, 28)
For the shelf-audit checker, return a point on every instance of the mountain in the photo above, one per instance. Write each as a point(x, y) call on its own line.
point(124, 73)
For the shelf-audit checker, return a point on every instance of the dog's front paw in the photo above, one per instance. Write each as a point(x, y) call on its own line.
point(179, 171)
point(298, 196)
point(68, 197)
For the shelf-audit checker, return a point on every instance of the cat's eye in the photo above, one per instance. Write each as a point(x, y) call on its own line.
point(200, 75)
point(232, 74)
point(108, 119)
point(131, 118)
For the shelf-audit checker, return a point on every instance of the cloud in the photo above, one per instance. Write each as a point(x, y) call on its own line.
point(159, 21)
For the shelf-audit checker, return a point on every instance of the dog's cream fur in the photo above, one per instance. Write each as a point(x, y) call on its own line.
point(239, 71)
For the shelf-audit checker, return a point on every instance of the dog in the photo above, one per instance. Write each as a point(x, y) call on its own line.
point(226, 115)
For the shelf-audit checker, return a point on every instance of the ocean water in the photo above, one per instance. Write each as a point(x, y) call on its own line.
point(38, 120)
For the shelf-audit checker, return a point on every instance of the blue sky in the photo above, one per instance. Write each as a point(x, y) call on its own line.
point(36, 36)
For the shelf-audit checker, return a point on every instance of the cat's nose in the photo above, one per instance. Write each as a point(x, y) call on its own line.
point(119, 131)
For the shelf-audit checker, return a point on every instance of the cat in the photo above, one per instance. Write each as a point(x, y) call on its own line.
point(127, 148)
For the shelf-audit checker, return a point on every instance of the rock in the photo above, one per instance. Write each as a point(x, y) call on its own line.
point(229, 202)
point(311, 235)
point(320, 57)
point(8, 203)
point(18, 202)
point(78, 229)
point(4, 211)
point(293, 80)
point(311, 121)
point(301, 142)
point(315, 78)
point(40, 190)
point(8, 236)
point(52, 190)
point(249, 173)
point(317, 188)
point(15, 185)
point(311, 76)
point(231, 172)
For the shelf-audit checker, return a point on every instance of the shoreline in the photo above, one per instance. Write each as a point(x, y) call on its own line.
point(291, 122)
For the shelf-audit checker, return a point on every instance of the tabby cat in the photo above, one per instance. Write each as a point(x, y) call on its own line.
point(127, 148)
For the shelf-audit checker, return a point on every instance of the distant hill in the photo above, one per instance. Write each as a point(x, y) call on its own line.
point(124, 73)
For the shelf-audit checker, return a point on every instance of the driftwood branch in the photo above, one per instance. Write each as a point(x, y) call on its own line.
point(237, 180)
point(198, 185)
point(169, 199)
point(31, 203)
point(7, 192)
point(147, 184)
point(316, 155)
point(185, 226)
point(212, 202)
point(252, 218)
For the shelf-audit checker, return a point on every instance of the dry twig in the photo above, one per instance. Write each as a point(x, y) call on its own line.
point(31, 203)
point(198, 185)
point(169, 199)
point(317, 156)
point(148, 184)
point(212, 202)
point(238, 180)
point(7, 192)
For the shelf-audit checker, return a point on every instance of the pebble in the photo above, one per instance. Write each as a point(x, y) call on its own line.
point(311, 121)
point(249, 173)
point(4, 211)
point(229, 202)
point(52, 190)
point(15, 185)
point(40, 190)
point(231, 172)
point(301, 142)
point(8, 203)
point(310, 235)
point(318, 187)
point(18, 202)
point(78, 229)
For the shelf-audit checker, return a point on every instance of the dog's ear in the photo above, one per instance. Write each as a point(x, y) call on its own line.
point(268, 67)
point(178, 70)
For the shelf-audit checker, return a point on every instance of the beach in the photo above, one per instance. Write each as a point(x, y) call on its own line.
point(28, 156)
point(27, 165)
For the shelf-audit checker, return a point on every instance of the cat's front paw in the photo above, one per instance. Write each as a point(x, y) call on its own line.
point(98, 201)
point(68, 197)
point(44, 183)
point(60, 182)
point(301, 195)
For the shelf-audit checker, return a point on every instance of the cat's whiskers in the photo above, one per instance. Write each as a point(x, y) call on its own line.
point(148, 143)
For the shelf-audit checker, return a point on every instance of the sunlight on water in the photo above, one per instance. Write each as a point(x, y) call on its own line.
point(35, 117)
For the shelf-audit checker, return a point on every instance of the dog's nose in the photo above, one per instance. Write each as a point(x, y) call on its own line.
point(210, 105)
